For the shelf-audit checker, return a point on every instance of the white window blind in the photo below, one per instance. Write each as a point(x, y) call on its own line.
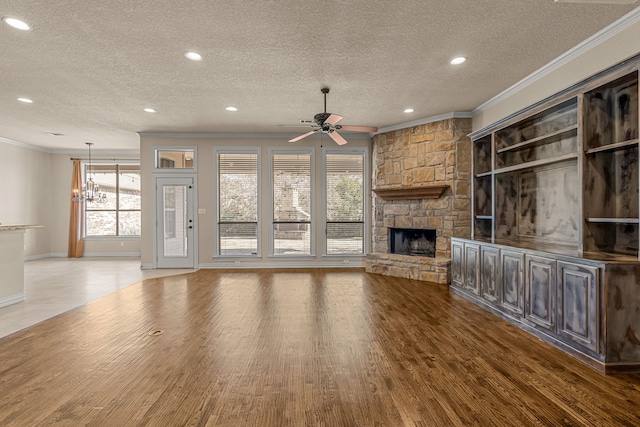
point(238, 203)
point(291, 204)
point(345, 203)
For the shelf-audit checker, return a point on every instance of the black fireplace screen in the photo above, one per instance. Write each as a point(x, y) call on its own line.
point(412, 241)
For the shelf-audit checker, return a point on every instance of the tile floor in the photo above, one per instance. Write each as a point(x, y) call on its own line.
point(55, 285)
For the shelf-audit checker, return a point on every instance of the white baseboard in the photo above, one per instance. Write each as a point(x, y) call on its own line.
point(59, 255)
point(88, 255)
point(112, 254)
point(35, 257)
point(12, 299)
point(284, 264)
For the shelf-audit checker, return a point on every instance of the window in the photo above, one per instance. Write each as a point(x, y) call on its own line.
point(120, 214)
point(291, 203)
point(238, 204)
point(175, 159)
point(344, 189)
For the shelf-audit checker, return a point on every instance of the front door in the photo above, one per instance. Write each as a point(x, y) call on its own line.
point(175, 226)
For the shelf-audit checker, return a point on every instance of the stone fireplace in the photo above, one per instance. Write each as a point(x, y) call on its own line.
point(412, 241)
point(421, 180)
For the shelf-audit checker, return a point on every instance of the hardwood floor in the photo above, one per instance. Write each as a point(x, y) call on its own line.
point(296, 348)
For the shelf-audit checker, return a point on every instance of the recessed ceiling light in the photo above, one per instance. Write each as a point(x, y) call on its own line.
point(194, 56)
point(408, 110)
point(231, 109)
point(458, 60)
point(16, 23)
point(149, 110)
point(25, 100)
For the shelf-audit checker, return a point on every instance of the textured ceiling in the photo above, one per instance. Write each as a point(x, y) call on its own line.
point(92, 66)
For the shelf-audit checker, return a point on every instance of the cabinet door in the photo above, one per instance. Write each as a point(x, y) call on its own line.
point(472, 267)
point(511, 284)
point(540, 295)
point(578, 304)
point(489, 269)
point(457, 261)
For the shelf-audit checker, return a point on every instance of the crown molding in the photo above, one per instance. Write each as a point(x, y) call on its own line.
point(24, 145)
point(83, 153)
point(405, 125)
point(601, 36)
point(214, 135)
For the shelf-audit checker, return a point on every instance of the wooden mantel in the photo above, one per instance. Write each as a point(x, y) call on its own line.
point(411, 193)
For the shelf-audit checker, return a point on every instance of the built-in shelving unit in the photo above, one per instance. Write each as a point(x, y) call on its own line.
point(483, 187)
point(512, 166)
point(611, 167)
point(556, 221)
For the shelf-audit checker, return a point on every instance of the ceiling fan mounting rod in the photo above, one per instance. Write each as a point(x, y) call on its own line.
point(325, 91)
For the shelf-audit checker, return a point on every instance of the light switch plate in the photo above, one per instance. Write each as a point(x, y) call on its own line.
point(202, 211)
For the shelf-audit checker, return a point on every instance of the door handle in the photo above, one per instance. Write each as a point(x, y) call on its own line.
point(191, 226)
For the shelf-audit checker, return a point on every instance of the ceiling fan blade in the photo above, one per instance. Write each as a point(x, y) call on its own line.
point(337, 138)
point(298, 138)
point(333, 119)
point(359, 128)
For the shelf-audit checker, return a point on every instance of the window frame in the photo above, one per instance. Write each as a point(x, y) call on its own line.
point(181, 171)
point(366, 204)
point(216, 198)
point(312, 206)
point(117, 210)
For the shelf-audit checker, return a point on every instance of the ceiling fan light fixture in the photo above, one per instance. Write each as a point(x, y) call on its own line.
point(16, 23)
point(194, 56)
point(458, 60)
point(328, 123)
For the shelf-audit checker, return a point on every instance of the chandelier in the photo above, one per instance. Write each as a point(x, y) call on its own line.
point(91, 190)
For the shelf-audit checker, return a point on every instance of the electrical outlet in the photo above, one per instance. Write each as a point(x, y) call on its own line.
point(121, 244)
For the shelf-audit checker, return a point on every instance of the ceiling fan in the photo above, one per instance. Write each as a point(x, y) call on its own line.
point(328, 123)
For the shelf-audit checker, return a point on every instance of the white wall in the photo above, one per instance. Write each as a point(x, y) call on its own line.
point(612, 46)
point(206, 192)
point(25, 196)
point(35, 189)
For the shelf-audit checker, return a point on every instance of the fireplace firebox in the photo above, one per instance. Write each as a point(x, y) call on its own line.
point(412, 241)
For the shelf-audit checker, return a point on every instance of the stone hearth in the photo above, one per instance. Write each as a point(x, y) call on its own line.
point(435, 155)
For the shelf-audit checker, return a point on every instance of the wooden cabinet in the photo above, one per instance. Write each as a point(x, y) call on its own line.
point(555, 212)
point(489, 274)
point(540, 292)
point(511, 284)
point(586, 307)
point(472, 267)
point(457, 263)
point(578, 304)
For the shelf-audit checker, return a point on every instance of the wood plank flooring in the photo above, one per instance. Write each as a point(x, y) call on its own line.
point(296, 348)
